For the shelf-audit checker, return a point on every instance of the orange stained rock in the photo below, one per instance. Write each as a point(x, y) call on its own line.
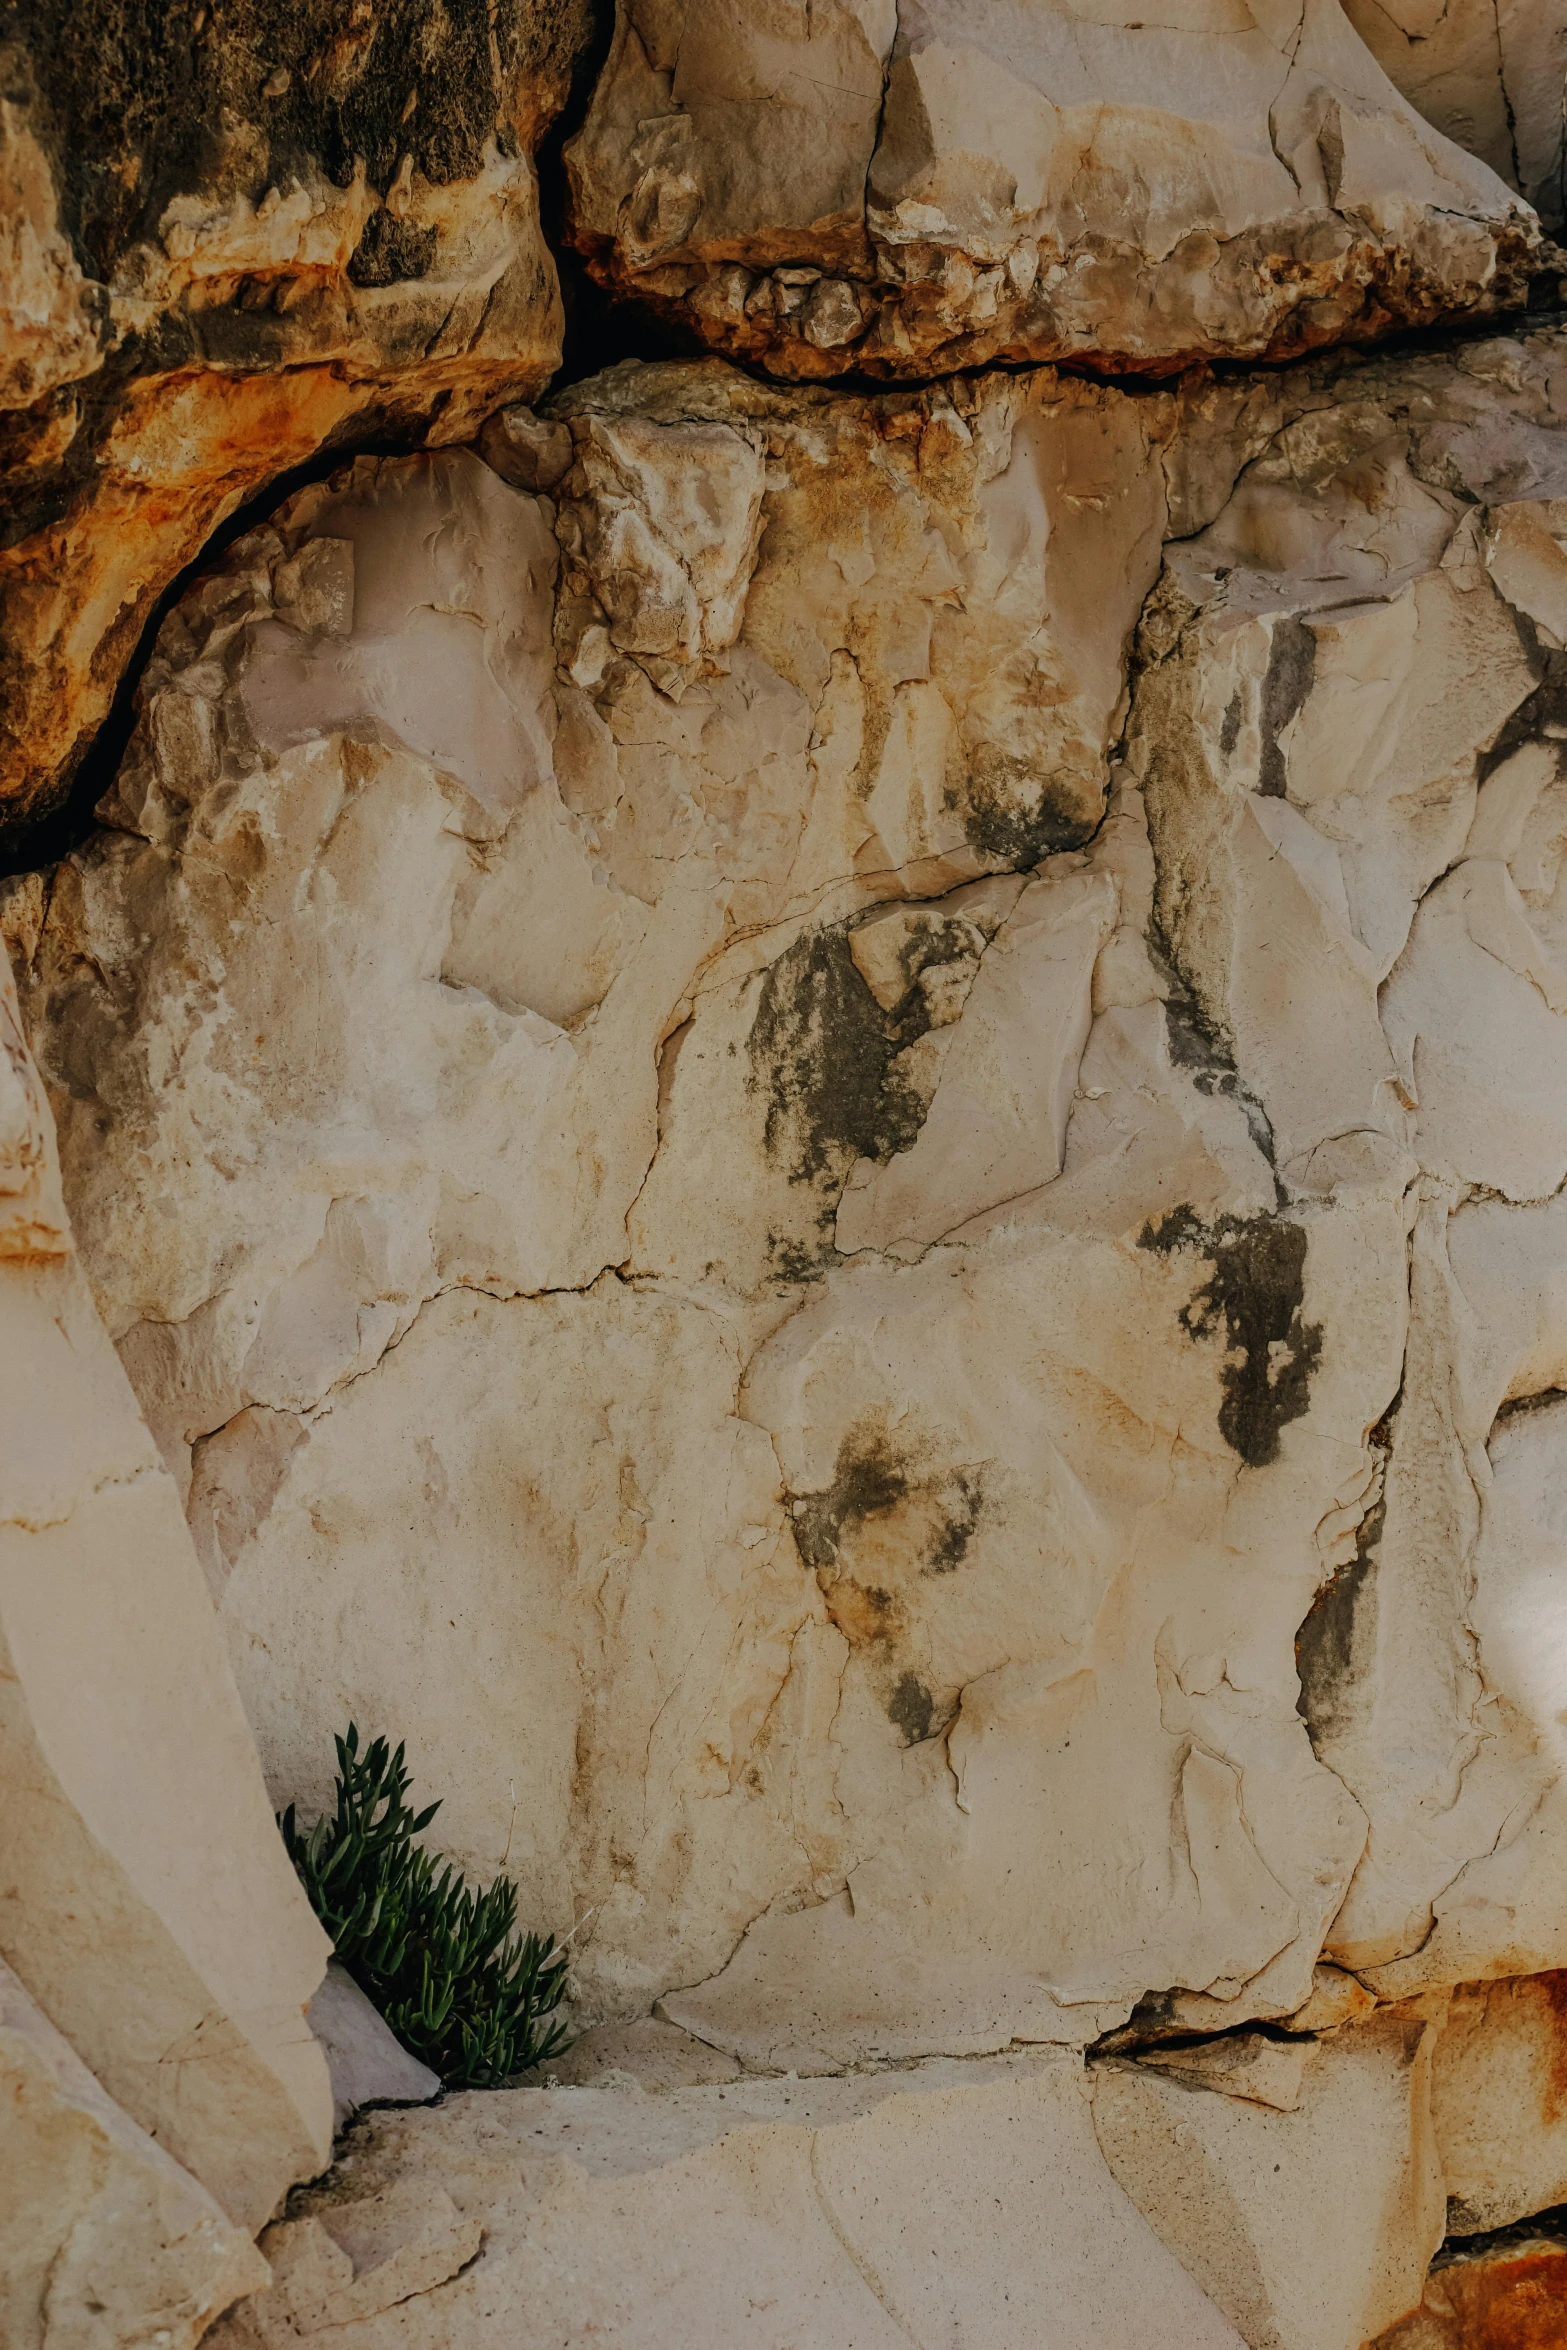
point(1512, 2299)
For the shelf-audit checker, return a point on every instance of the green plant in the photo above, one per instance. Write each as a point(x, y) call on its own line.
point(459, 1987)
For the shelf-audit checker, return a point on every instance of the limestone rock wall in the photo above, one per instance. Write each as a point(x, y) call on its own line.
point(818, 1096)
point(673, 988)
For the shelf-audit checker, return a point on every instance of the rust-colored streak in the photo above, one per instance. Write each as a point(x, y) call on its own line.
point(1518, 2304)
point(1516, 2301)
point(1553, 2095)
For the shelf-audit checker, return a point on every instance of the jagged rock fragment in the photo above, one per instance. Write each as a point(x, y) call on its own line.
point(366, 2063)
point(146, 1904)
point(104, 2240)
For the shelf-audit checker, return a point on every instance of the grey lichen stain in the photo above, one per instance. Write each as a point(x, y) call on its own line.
point(823, 1055)
point(821, 1050)
point(888, 1522)
point(1014, 818)
point(923, 1517)
point(1254, 1296)
point(1335, 1638)
point(912, 1709)
point(869, 1481)
point(1292, 668)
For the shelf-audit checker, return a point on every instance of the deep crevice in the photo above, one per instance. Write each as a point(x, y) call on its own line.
point(31, 845)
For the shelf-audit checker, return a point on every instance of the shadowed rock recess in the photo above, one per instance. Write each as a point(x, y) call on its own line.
point(809, 1099)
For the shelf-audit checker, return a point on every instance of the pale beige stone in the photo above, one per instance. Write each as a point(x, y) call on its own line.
point(1498, 2104)
point(899, 190)
point(1243, 2064)
point(769, 1199)
point(1310, 2228)
point(105, 2243)
point(1488, 73)
point(145, 1900)
point(957, 2201)
point(367, 2064)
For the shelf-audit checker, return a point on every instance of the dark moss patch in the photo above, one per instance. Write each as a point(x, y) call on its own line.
point(1339, 1625)
point(964, 1503)
point(390, 251)
point(873, 1478)
point(821, 1050)
point(1197, 1047)
point(143, 100)
point(1254, 1295)
point(869, 1481)
point(1542, 714)
point(912, 1709)
point(1292, 665)
point(1016, 820)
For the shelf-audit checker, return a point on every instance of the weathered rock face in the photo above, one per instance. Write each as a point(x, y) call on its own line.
point(233, 236)
point(1487, 73)
point(661, 987)
point(963, 2202)
point(825, 1130)
point(103, 2238)
point(145, 1901)
point(899, 190)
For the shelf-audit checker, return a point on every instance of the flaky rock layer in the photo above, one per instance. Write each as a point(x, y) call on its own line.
point(901, 190)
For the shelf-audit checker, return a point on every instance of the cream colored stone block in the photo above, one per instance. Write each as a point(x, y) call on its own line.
point(1487, 73)
point(105, 2243)
point(145, 1899)
point(956, 2201)
point(1309, 2228)
point(1497, 2102)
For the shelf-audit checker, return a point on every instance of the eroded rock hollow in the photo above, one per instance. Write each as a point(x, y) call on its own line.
point(807, 1095)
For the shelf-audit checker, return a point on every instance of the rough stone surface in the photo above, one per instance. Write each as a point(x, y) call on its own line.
point(1310, 2227)
point(825, 1130)
point(367, 2063)
point(1487, 73)
point(957, 2203)
point(930, 1303)
point(230, 236)
point(1510, 2296)
point(105, 2243)
point(1499, 2101)
point(897, 190)
point(145, 1900)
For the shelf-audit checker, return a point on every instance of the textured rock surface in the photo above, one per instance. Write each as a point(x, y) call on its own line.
point(825, 1130)
point(366, 2063)
point(1312, 2226)
point(900, 1269)
point(1511, 2296)
point(1488, 73)
point(231, 236)
point(961, 2202)
point(898, 190)
point(145, 1900)
point(104, 2240)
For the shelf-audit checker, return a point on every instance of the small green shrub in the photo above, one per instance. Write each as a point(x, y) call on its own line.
point(459, 1987)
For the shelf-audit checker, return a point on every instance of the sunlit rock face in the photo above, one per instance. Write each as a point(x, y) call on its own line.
point(233, 236)
point(830, 1147)
point(898, 190)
